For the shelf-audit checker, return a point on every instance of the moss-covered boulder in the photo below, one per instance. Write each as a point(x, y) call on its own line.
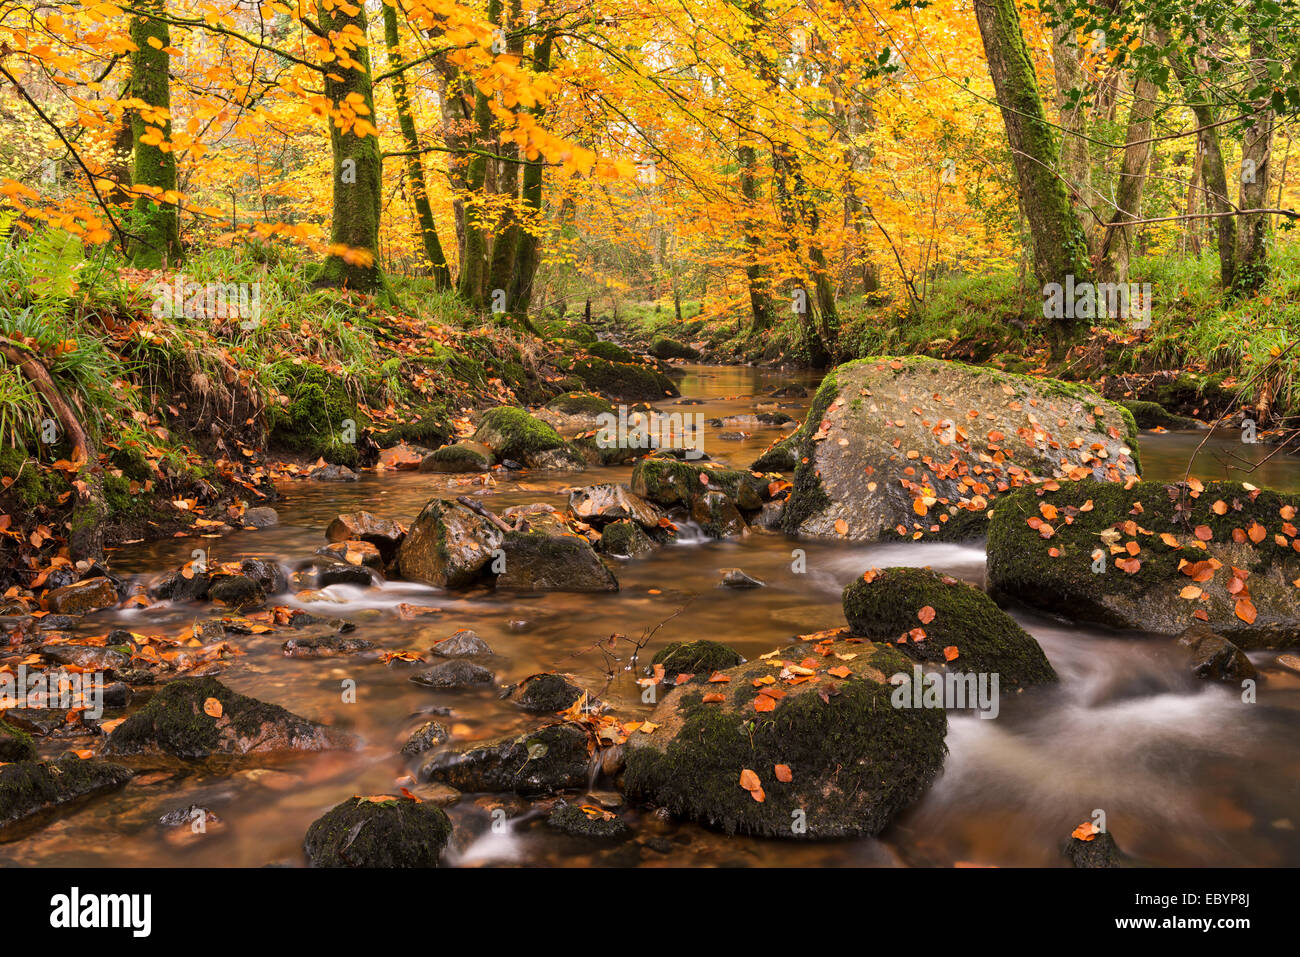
point(545, 693)
point(696, 657)
point(898, 446)
point(664, 348)
point(312, 415)
point(579, 409)
point(613, 352)
point(666, 480)
point(194, 718)
point(1154, 557)
point(928, 616)
point(623, 381)
point(461, 457)
point(553, 758)
point(564, 329)
point(29, 787)
point(626, 539)
point(548, 559)
point(1152, 415)
point(587, 821)
point(717, 515)
point(447, 545)
point(378, 831)
point(781, 456)
point(15, 744)
point(822, 754)
point(512, 433)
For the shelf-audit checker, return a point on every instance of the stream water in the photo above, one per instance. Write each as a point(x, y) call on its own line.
point(1186, 773)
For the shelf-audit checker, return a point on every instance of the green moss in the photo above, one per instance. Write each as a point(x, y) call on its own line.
point(781, 457)
point(30, 787)
point(626, 381)
point(428, 427)
point(580, 403)
point(513, 433)
point(625, 538)
point(574, 821)
point(664, 348)
point(363, 832)
point(456, 458)
point(1152, 415)
point(313, 421)
point(613, 352)
point(808, 497)
point(702, 657)
point(562, 329)
point(15, 744)
point(667, 480)
point(986, 638)
point(31, 488)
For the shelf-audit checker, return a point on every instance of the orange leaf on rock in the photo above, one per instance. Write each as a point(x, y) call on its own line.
point(783, 773)
point(926, 615)
point(950, 653)
point(212, 708)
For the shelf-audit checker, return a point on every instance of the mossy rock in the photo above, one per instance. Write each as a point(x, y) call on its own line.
point(32, 489)
point(887, 608)
point(312, 423)
point(563, 329)
point(666, 480)
point(1204, 396)
point(513, 433)
point(613, 352)
point(664, 348)
point(378, 832)
point(1152, 415)
point(428, 427)
point(625, 539)
point(447, 545)
point(894, 445)
point(461, 457)
point(580, 404)
point(15, 744)
point(606, 454)
point(854, 760)
point(542, 559)
point(545, 693)
point(700, 657)
point(783, 456)
point(717, 515)
point(624, 381)
point(549, 759)
point(177, 721)
point(29, 787)
point(1044, 544)
point(576, 822)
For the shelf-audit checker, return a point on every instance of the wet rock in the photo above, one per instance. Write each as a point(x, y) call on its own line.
point(462, 643)
point(402, 457)
point(782, 456)
point(1099, 851)
point(890, 604)
point(454, 674)
point(268, 575)
point(769, 516)
point(302, 619)
point(28, 788)
point(83, 597)
point(666, 480)
point(792, 391)
point(736, 578)
point(625, 539)
point(461, 457)
point(544, 560)
point(448, 545)
point(189, 816)
point(178, 586)
point(378, 832)
point(237, 591)
point(1229, 548)
point(117, 694)
point(576, 411)
point(624, 381)
point(87, 657)
point(49, 722)
point(549, 759)
point(596, 824)
point(340, 573)
point(426, 736)
point(1291, 662)
point(513, 433)
point(664, 348)
point(601, 504)
point(853, 760)
point(1214, 657)
point(717, 515)
point(869, 464)
point(568, 457)
point(15, 744)
point(328, 646)
point(333, 473)
point(702, 657)
point(353, 553)
point(263, 516)
point(545, 693)
point(437, 793)
point(177, 721)
point(385, 534)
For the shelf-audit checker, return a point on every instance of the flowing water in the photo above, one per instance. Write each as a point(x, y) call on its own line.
point(1186, 773)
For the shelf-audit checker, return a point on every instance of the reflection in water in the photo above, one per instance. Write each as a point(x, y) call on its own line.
point(1185, 772)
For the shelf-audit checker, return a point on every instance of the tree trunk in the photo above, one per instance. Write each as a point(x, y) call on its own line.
point(507, 187)
point(157, 240)
point(1074, 120)
point(1059, 246)
point(472, 282)
point(427, 230)
point(528, 242)
point(1256, 152)
point(760, 290)
point(352, 260)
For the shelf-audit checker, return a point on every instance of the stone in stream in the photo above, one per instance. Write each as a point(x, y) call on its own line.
point(341, 573)
point(462, 643)
point(1153, 556)
point(1097, 850)
point(237, 591)
point(780, 456)
point(547, 559)
point(1215, 657)
point(262, 516)
point(383, 533)
point(454, 675)
point(696, 657)
point(15, 744)
point(552, 758)
point(448, 545)
point(194, 718)
point(83, 597)
point(899, 446)
point(596, 824)
point(325, 646)
point(177, 586)
point(624, 381)
point(86, 657)
point(812, 760)
point(28, 788)
point(625, 539)
point(737, 578)
point(717, 515)
point(353, 552)
point(792, 391)
point(512, 433)
point(664, 348)
point(575, 411)
point(459, 457)
point(268, 574)
point(666, 480)
point(188, 816)
point(937, 619)
point(600, 504)
point(426, 736)
point(378, 831)
point(333, 473)
point(546, 693)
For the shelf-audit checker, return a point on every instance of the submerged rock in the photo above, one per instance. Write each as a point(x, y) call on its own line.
point(1154, 557)
point(327, 646)
point(378, 831)
point(448, 545)
point(551, 758)
point(822, 759)
point(461, 643)
point(1215, 657)
point(548, 560)
point(454, 674)
point(940, 620)
point(30, 787)
point(197, 717)
point(897, 446)
point(737, 578)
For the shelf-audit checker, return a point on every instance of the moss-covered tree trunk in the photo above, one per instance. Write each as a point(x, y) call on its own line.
point(427, 229)
point(1072, 106)
point(474, 264)
point(352, 260)
point(156, 235)
point(527, 251)
point(502, 262)
point(760, 289)
point(1256, 167)
point(1059, 246)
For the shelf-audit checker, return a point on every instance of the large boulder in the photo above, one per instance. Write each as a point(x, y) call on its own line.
point(461, 457)
point(576, 411)
point(1154, 557)
point(599, 504)
point(551, 758)
point(938, 619)
point(194, 718)
point(513, 433)
point(666, 480)
point(822, 754)
point(384, 533)
point(901, 446)
point(623, 381)
point(32, 787)
point(548, 559)
point(378, 831)
point(447, 545)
